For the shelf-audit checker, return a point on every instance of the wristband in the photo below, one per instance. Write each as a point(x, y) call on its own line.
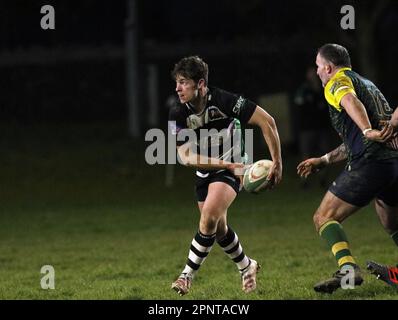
point(325, 158)
point(366, 130)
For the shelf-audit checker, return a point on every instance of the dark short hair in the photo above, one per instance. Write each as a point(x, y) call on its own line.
point(336, 54)
point(192, 67)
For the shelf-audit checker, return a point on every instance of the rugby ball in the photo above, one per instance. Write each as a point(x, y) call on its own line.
point(255, 178)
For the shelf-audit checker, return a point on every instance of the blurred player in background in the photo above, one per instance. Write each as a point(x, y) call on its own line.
point(312, 121)
point(217, 180)
point(360, 114)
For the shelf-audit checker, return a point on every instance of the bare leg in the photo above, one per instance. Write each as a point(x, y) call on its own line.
point(220, 196)
point(332, 208)
point(388, 216)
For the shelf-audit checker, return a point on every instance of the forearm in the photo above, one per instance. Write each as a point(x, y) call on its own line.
point(337, 155)
point(267, 124)
point(205, 163)
point(188, 157)
point(357, 112)
point(271, 137)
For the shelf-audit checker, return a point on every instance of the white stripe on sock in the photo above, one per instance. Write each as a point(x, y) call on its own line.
point(194, 258)
point(236, 253)
point(189, 270)
point(244, 263)
point(199, 247)
point(233, 244)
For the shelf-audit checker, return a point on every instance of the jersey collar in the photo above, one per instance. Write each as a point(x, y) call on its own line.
point(191, 107)
point(338, 73)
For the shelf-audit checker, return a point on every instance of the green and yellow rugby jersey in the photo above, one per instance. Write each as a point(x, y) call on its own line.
point(347, 81)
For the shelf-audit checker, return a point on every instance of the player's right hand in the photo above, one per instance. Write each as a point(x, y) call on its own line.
point(275, 174)
point(306, 167)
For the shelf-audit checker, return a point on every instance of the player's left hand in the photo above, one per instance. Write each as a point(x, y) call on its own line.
point(310, 166)
point(238, 169)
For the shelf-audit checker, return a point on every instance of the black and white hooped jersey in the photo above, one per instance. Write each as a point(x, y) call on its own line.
point(223, 111)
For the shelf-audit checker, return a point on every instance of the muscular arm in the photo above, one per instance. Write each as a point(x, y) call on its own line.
point(270, 133)
point(356, 110)
point(190, 158)
point(268, 127)
point(337, 155)
point(309, 166)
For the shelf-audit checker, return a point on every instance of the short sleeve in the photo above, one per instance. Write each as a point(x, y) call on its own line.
point(337, 88)
point(238, 107)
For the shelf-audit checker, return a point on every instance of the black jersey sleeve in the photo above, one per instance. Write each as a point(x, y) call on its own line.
point(237, 106)
point(177, 122)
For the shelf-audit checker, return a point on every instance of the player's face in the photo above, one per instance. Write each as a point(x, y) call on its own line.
point(186, 89)
point(323, 70)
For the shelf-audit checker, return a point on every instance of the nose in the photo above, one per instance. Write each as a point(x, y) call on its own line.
point(178, 87)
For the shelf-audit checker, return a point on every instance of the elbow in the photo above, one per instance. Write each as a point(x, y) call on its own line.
point(184, 161)
point(188, 163)
point(271, 122)
point(182, 158)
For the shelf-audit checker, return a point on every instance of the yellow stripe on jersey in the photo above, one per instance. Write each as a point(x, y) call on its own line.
point(337, 87)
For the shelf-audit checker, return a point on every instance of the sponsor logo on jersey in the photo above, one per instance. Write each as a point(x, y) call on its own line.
point(212, 113)
point(238, 106)
point(194, 121)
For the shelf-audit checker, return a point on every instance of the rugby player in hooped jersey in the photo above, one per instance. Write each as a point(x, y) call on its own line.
point(218, 181)
point(361, 115)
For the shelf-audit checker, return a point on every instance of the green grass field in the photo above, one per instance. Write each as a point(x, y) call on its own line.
point(85, 202)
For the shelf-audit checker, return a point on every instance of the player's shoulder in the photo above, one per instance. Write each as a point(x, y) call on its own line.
point(341, 80)
point(226, 99)
point(220, 94)
point(343, 75)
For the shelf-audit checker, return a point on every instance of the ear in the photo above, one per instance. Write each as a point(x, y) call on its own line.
point(329, 68)
point(201, 83)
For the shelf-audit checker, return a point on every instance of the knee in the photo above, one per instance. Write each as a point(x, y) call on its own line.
point(316, 220)
point(221, 229)
point(209, 220)
point(321, 217)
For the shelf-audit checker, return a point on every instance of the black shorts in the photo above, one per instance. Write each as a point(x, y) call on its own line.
point(226, 176)
point(365, 180)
